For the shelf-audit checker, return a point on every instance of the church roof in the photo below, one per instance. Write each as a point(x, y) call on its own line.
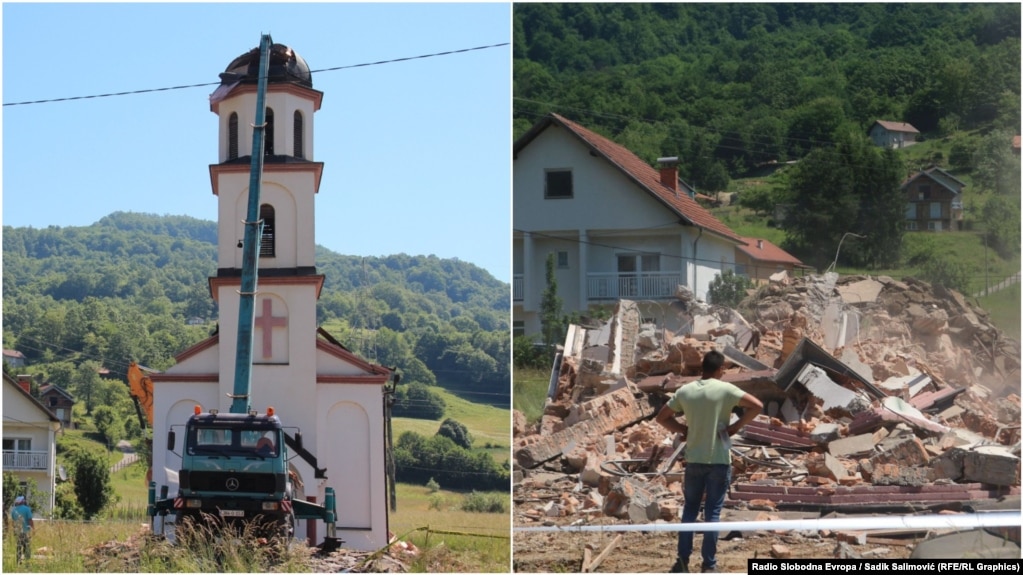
point(286, 66)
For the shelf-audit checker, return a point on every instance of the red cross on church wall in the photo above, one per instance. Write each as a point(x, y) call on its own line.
point(266, 323)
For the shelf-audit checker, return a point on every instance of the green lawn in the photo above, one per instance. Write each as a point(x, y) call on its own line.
point(530, 391)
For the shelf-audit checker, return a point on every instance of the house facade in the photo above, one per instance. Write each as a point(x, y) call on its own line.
point(617, 227)
point(29, 441)
point(934, 201)
point(59, 402)
point(759, 259)
point(315, 385)
point(14, 358)
point(892, 134)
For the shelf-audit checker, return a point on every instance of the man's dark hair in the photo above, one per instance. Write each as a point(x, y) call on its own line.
point(712, 362)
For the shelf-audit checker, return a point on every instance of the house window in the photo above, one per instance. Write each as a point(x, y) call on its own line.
point(268, 133)
point(934, 226)
point(911, 212)
point(232, 136)
point(299, 133)
point(518, 328)
point(631, 268)
point(53, 402)
point(911, 225)
point(936, 210)
point(925, 192)
point(267, 242)
point(563, 260)
point(17, 444)
point(557, 184)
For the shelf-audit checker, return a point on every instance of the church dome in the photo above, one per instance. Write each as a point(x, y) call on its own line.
point(286, 66)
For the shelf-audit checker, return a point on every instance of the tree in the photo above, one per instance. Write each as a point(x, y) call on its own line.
point(92, 482)
point(728, 289)
point(456, 432)
point(850, 186)
point(550, 307)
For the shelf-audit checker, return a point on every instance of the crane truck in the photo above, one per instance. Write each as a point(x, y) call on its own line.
point(234, 466)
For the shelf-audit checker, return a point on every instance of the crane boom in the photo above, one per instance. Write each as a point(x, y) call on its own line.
point(250, 247)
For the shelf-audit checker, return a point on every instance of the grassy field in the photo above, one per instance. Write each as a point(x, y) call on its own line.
point(530, 391)
point(490, 426)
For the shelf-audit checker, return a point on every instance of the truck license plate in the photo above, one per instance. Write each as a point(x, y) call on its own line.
point(232, 513)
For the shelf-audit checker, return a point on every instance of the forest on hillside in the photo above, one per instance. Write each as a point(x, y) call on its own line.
point(727, 87)
point(134, 287)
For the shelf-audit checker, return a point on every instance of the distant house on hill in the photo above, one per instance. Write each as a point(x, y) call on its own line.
point(759, 259)
point(59, 401)
point(14, 358)
point(1015, 145)
point(934, 201)
point(892, 134)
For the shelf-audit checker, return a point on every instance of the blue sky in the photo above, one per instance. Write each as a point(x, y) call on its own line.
point(417, 154)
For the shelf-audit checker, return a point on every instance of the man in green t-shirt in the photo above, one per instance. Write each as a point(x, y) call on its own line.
point(707, 405)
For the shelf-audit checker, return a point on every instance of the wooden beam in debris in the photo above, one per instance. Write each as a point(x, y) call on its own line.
point(603, 554)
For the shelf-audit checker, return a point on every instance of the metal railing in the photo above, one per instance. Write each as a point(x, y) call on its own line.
point(641, 285)
point(518, 281)
point(26, 460)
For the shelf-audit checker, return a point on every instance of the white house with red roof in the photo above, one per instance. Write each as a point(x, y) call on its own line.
point(29, 440)
point(892, 134)
point(618, 227)
point(315, 384)
point(759, 259)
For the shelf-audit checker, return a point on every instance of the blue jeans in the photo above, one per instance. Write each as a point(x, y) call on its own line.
point(703, 479)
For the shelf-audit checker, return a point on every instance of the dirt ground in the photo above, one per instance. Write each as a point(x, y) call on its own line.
point(654, 552)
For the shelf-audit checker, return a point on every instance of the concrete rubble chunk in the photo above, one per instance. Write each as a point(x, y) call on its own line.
point(594, 418)
point(991, 464)
point(851, 446)
point(835, 396)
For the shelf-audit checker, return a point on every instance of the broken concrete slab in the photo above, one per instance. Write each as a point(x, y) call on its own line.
point(808, 352)
point(851, 446)
point(865, 291)
point(991, 464)
point(834, 396)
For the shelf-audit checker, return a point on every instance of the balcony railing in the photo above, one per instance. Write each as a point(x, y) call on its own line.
point(517, 285)
point(26, 460)
point(645, 285)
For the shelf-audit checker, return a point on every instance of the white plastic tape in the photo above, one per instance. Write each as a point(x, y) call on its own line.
point(956, 521)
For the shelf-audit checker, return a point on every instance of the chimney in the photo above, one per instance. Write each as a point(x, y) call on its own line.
point(25, 382)
point(669, 172)
point(760, 244)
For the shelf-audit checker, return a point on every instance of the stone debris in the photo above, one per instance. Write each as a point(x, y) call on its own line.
point(880, 396)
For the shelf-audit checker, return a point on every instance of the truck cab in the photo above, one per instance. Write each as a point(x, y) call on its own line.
point(235, 467)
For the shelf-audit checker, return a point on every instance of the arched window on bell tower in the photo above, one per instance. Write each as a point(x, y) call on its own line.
point(268, 134)
point(232, 136)
point(299, 132)
point(267, 244)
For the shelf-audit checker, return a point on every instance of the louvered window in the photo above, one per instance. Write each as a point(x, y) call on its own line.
point(267, 243)
point(268, 134)
point(299, 133)
point(232, 136)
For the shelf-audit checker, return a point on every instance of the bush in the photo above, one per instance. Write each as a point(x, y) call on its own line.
point(436, 502)
point(419, 459)
point(527, 354)
point(433, 486)
point(728, 289)
point(484, 502)
point(949, 274)
point(456, 432)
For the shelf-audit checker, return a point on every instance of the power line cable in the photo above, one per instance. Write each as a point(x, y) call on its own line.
point(168, 88)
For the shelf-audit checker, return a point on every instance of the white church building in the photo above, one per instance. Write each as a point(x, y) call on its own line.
point(313, 382)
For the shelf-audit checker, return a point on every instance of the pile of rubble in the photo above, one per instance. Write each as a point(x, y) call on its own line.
point(880, 396)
